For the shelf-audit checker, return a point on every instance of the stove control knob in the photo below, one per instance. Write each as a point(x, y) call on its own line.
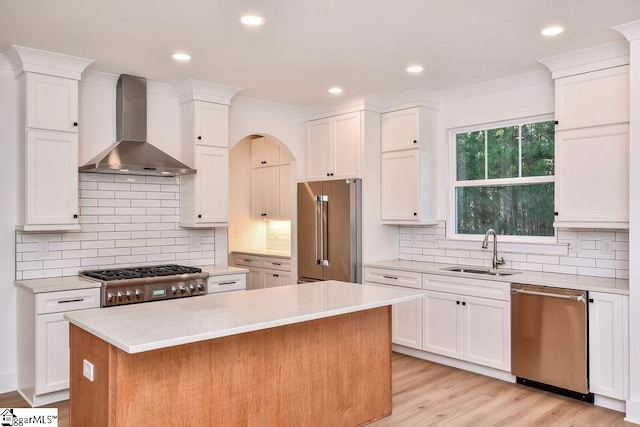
point(200, 287)
point(138, 294)
point(128, 295)
point(119, 296)
point(183, 289)
point(109, 297)
point(192, 288)
point(174, 290)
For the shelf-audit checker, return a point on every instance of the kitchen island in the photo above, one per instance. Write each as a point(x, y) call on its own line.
point(312, 354)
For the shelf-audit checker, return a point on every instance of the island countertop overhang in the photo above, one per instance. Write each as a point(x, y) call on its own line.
point(143, 327)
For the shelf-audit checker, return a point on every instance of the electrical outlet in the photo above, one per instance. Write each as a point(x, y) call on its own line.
point(195, 243)
point(606, 247)
point(87, 369)
point(238, 234)
point(43, 249)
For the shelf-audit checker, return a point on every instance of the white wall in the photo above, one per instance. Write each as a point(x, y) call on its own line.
point(7, 227)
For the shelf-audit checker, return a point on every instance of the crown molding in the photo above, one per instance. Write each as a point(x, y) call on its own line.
point(331, 108)
point(40, 61)
point(631, 30)
point(586, 60)
point(197, 90)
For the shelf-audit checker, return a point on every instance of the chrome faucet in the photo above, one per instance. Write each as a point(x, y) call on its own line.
point(485, 244)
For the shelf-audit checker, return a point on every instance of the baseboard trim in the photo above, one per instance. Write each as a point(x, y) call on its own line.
point(633, 412)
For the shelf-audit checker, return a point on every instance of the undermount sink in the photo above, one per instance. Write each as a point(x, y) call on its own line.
point(477, 270)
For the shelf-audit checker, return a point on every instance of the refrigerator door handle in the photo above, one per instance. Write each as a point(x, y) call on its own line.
point(324, 206)
point(318, 212)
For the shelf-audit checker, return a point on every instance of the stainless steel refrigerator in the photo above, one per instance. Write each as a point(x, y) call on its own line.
point(330, 230)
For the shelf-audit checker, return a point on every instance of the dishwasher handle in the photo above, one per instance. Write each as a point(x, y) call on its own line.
point(578, 298)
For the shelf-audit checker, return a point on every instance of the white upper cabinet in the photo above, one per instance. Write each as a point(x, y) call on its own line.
point(264, 153)
point(593, 99)
point(401, 130)
point(408, 168)
point(204, 197)
point(592, 177)
point(51, 103)
point(592, 149)
point(47, 94)
point(334, 147)
point(51, 180)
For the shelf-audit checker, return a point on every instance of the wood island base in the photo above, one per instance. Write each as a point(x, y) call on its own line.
point(332, 371)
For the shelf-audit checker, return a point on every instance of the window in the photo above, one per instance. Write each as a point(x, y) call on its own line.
point(504, 179)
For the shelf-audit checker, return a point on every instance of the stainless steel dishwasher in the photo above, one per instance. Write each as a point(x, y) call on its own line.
point(549, 348)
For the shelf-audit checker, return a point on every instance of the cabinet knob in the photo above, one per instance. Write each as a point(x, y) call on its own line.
point(415, 141)
point(199, 137)
point(199, 216)
point(458, 302)
point(415, 214)
point(331, 174)
point(75, 216)
point(328, 174)
point(263, 162)
point(75, 124)
point(590, 299)
point(555, 213)
point(276, 275)
point(464, 303)
point(555, 122)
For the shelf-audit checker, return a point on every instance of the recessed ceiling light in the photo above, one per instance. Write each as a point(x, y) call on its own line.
point(414, 69)
point(335, 90)
point(252, 20)
point(551, 31)
point(181, 56)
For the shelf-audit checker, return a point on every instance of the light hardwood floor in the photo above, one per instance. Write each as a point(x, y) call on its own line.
point(429, 394)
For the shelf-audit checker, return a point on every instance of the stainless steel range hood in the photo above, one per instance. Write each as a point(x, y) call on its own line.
point(132, 154)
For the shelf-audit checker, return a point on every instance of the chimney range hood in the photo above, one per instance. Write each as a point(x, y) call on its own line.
point(132, 154)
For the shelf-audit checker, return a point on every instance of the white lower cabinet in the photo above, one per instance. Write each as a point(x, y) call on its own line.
point(608, 345)
point(406, 317)
point(43, 347)
point(264, 271)
point(227, 283)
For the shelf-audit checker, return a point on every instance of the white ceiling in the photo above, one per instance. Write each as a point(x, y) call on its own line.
point(307, 46)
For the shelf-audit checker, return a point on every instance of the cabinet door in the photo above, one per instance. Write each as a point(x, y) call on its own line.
point(285, 192)
point(400, 185)
point(347, 146)
point(607, 344)
point(259, 193)
point(52, 353)
point(593, 99)
point(51, 190)
point(487, 332)
point(264, 152)
point(407, 324)
point(212, 124)
point(442, 324)
point(400, 130)
point(52, 102)
point(319, 148)
point(592, 177)
point(272, 279)
point(254, 279)
point(212, 179)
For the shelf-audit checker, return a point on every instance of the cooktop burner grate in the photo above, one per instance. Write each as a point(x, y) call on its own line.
point(139, 272)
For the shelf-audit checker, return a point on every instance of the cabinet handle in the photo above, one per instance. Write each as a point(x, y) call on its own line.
point(555, 213)
point(555, 122)
point(591, 300)
point(227, 283)
point(390, 277)
point(199, 137)
point(75, 216)
point(276, 263)
point(247, 260)
point(276, 275)
point(263, 162)
point(75, 124)
point(64, 301)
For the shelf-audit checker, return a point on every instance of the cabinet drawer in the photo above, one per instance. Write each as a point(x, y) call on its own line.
point(407, 279)
point(276, 263)
point(248, 260)
point(77, 299)
point(465, 286)
point(231, 282)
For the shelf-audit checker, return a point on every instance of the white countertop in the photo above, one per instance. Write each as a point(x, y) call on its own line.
point(141, 327)
point(557, 280)
point(67, 283)
point(53, 284)
point(266, 252)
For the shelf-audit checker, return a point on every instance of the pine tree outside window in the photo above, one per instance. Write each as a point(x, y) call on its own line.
point(504, 179)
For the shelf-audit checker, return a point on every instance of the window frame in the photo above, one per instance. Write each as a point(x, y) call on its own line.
point(451, 232)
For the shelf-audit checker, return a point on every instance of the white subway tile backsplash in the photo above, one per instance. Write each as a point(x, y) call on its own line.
point(430, 244)
point(126, 220)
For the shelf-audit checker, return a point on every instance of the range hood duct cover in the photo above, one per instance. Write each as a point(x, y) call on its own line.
point(132, 154)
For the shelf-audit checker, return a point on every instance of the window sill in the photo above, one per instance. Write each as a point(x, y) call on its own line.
point(561, 249)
